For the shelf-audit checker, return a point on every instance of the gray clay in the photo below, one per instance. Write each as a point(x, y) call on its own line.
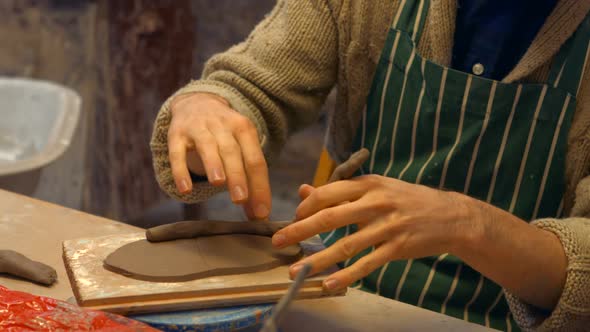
point(195, 228)
point(201, 257)
point(16, 264)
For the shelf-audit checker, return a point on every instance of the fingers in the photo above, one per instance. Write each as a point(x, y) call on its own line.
point(207, 149)
point(231, 157)
point(249, 211)
point(360, 269)
point(256, 169)
point(323, 221)
point(209, 138)
point(177, 155)
point(329, 195)
point(342, 250)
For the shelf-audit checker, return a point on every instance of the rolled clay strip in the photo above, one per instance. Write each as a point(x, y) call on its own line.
point(191, 229)
point(16, 264)
point(347, 169)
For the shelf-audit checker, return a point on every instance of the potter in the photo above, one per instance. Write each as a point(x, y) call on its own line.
point(473, 202)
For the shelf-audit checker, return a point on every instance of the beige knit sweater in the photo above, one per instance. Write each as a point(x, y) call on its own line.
point(280, 76)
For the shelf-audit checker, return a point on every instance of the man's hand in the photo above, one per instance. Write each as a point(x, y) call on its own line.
point(208, 137)
point(401, 220)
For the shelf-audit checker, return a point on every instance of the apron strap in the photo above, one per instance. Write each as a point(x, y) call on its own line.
point(410, 17)
point(567, 70)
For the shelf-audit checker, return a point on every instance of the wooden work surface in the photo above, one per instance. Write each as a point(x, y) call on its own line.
point(37, 229)
point(98, 288)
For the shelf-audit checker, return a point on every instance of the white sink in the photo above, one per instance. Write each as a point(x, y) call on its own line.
point(38, 119)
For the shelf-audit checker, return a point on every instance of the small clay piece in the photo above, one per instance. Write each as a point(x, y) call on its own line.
point(347, 169)
point(190, 229)
point(13, 263)
point(201, 257)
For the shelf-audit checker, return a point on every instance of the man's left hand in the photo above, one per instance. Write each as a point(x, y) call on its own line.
point(400, 220)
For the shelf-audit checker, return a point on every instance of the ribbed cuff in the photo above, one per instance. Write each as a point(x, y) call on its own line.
point(572, 312)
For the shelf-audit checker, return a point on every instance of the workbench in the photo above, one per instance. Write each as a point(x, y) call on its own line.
point(37, 229)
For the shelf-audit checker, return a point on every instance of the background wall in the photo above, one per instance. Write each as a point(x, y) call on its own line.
point(125, 58)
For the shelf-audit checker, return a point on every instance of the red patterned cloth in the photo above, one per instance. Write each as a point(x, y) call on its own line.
point(26, 312)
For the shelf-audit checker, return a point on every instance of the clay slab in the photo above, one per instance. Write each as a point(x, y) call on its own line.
point(201, 257)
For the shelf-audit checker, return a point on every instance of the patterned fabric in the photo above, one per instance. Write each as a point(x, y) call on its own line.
point(501, 143)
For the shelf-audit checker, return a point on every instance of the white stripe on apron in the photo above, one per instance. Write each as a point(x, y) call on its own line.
point(550, 159)
point(387, 76)
point(436, 123)
point(526, 150)
point(503, 144)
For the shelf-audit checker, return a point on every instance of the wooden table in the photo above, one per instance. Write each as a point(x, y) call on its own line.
point(37, 229)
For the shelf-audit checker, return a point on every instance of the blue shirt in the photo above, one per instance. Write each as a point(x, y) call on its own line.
point(496, 33)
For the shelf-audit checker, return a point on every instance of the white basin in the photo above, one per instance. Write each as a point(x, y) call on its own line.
point(38, 119)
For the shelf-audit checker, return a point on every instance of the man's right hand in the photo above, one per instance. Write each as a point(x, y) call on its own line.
point(210, 138)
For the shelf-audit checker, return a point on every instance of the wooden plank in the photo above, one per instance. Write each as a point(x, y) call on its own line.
point(96, 287)
point(131, 307)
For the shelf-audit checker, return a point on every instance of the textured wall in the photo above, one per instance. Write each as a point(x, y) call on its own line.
point(144, 51)
point(43, 40)
point(125, 58)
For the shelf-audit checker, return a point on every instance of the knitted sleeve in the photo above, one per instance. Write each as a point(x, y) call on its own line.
point(572, 312)
point(279, 77)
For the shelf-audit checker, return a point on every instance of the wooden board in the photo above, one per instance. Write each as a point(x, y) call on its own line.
point(97, 288)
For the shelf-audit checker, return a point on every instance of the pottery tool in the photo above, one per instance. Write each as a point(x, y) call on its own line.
point(271, 324)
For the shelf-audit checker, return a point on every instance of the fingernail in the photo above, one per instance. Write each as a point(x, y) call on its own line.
point(331, 284)
point(278, 240)
point(261, 211)
point(183, 186)
point(217, 175)
point(239, 194)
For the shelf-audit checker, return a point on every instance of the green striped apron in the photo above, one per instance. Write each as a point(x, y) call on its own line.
point(501, 143)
